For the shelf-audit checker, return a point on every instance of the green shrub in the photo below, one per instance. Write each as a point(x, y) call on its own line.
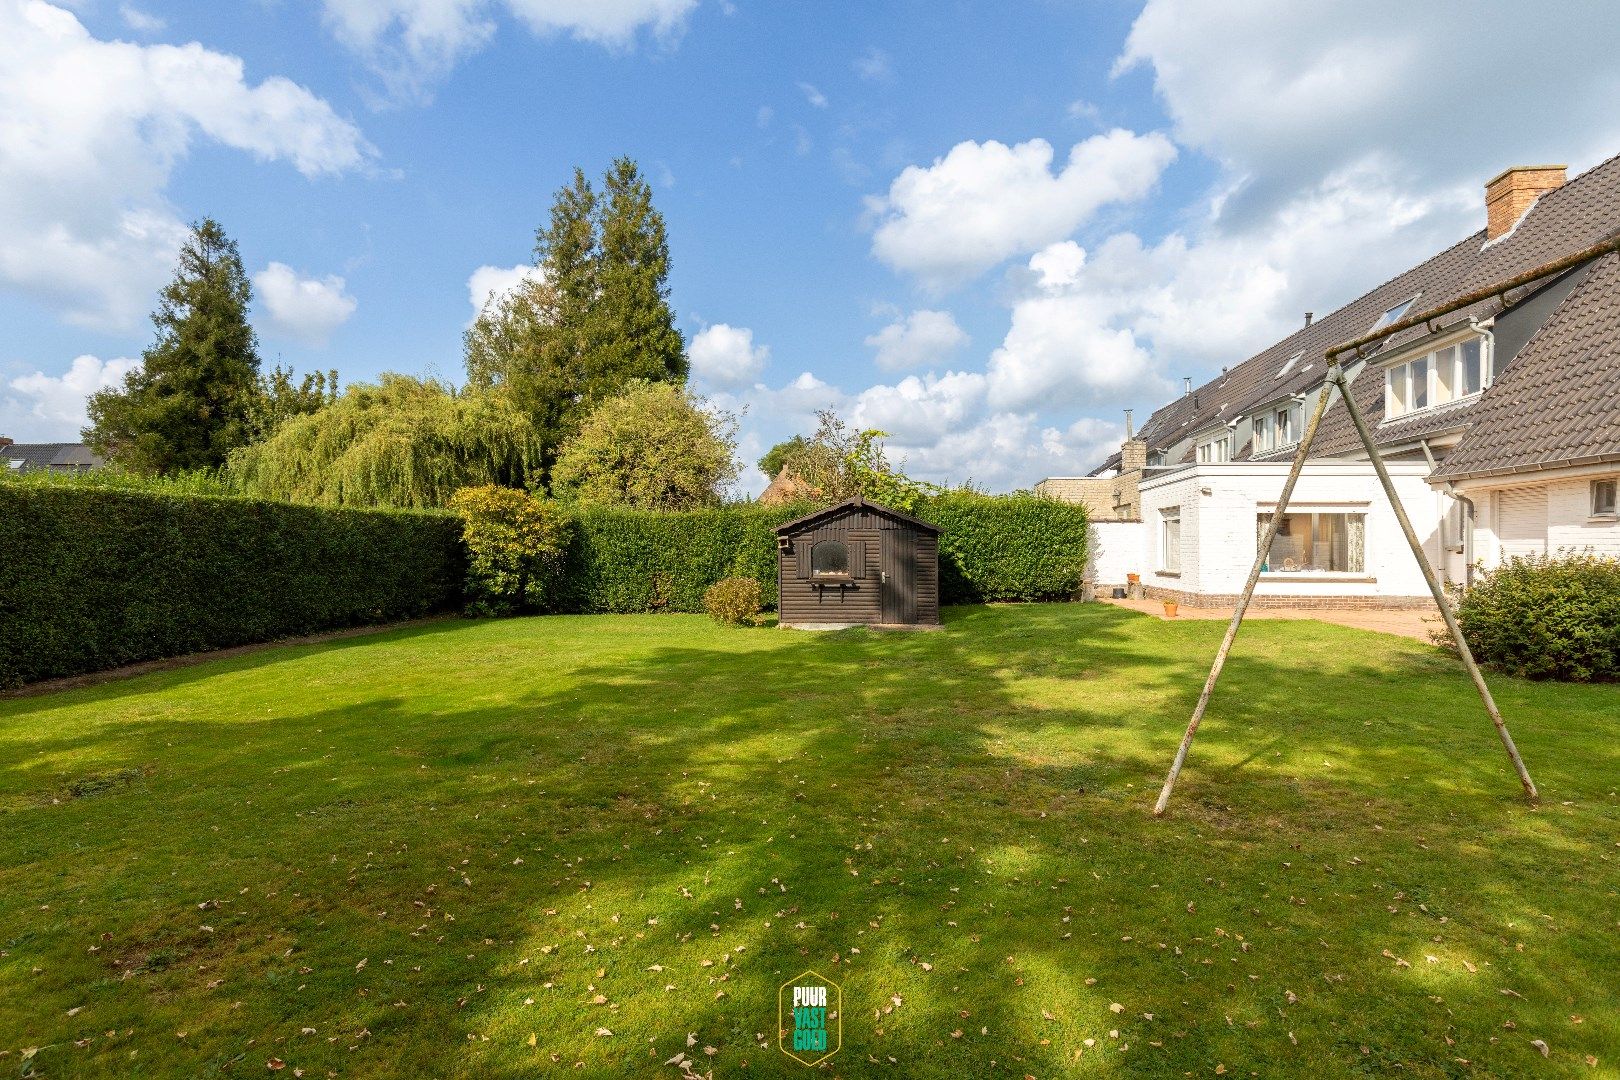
point(92, 578)
point(514, 544)
point(1007, 547)
point(733, 600)
point(1547, 617)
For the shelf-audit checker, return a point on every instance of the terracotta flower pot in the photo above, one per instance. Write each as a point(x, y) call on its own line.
point(1169, 609)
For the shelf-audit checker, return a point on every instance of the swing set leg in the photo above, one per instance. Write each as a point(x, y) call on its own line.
point(1336, 382)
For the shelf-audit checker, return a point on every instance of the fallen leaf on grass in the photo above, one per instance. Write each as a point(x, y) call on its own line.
point(1539, 1045)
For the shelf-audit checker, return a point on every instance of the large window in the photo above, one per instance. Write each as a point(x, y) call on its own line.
point(1215, 450)
point(1438, 378)
point(1277, 427)
point(1311, 543)
point(1170, 539)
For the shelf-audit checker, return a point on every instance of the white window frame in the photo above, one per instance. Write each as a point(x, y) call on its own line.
point(1313, 514)
point(1443, 372)
point(1277, 426)
point(1169, 553)
point(1215, 451)
point(1608, 490)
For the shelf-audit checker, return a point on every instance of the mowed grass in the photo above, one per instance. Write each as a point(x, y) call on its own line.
point(470, 849)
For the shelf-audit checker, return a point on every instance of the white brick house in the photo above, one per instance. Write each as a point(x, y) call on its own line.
point(1499, 420)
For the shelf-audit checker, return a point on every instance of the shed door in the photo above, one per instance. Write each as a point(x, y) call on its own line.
point(898, 581)
point(1521, 521)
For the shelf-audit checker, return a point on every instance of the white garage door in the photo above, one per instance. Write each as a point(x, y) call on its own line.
point(1521, 521)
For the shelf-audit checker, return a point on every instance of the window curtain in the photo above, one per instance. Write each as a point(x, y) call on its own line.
point(1358, 543)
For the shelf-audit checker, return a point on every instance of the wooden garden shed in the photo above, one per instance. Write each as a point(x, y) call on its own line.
point(858, 563)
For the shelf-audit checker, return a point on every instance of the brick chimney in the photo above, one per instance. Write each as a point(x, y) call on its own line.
point(1510, 194)
point(4, 441)
point(1132, 455)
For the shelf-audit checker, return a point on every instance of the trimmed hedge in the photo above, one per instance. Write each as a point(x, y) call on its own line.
point(1007, 547)
point(95, 577)
point(1020, 547)
point(92, 578)
point(624, 561)
point(1547, 617)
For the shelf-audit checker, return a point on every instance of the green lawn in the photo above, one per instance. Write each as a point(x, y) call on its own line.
point(469, 848)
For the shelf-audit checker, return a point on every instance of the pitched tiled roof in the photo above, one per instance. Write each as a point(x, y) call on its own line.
point(1559, 402)
point(50, 455)
point(1577, 215)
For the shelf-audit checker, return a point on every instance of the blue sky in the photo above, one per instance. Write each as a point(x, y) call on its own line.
point(859, 212)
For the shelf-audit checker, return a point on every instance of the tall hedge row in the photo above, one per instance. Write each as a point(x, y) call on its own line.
point(92, 578)
point(1019, 547)
point(95, 577)
point(637, 560)
point(1013, 547)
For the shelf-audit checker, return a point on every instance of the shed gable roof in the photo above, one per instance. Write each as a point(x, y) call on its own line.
point(854, 503)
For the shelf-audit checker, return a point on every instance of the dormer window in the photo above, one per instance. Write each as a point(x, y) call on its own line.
point(1452, 373)
point(1278, 427)
point(1394, 314)
point(1216, 450)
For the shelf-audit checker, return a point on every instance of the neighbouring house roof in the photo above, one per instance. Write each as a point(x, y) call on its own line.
point(854, 503)
point(61, 456)
point(785, 488)
point(1583, 212)
point(1558, 403)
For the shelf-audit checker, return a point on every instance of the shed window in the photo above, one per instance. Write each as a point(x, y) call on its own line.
point(829, 558)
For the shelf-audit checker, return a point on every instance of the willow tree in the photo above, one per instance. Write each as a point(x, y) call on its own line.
point(403, 442)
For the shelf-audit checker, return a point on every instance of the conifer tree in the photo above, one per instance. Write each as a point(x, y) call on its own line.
point(192, 400)
point(635, 333)
point(597, 316)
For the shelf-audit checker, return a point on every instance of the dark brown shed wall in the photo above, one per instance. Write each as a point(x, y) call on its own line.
point(861, 601)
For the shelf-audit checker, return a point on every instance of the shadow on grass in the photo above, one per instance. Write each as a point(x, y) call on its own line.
point(957, 820)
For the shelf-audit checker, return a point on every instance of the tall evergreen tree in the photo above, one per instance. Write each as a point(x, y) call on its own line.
point(597, 319)
point(635, 335)
point(192, 400)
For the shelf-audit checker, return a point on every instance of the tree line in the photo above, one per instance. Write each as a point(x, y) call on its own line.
point(575, 387)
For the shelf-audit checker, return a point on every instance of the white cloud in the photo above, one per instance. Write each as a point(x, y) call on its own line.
point(51, 408)
point(90, 133)
point(983, 203)
point(762, 118)
point(920, 339)
point(874, 65)
point(487, 282)
point(920, 410)
point(305, 309)
point(726, 356)
point(1287, 98)
point(140, 21)
point(412, 44)
point(815, 97)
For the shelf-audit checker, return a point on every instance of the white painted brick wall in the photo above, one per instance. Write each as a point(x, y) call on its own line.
point(1218, 528)
point(1116, 550)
